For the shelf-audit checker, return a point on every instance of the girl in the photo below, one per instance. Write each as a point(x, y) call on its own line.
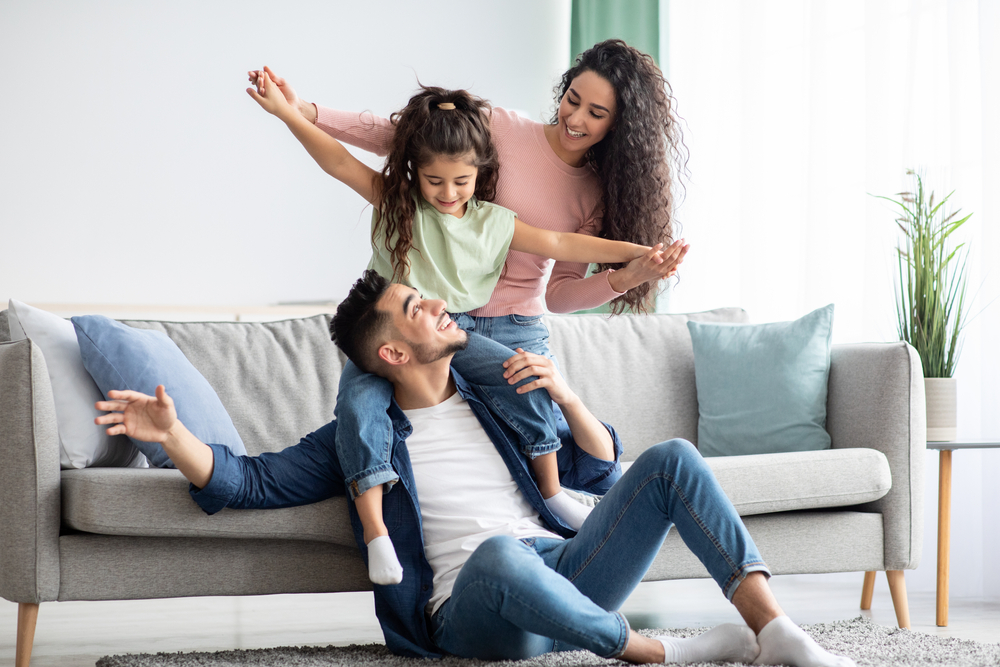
point(434, 228)
point(606, 164)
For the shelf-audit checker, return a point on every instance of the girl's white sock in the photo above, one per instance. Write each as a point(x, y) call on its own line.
point(573, 512)
point(723, 643)
point(784, 643)
point(383, 566)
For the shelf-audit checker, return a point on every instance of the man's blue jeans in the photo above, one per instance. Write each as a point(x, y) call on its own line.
point(516, 599)
point(364, 432)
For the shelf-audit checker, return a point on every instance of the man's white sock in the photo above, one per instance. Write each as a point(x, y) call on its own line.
point(383, 566)
point(784, 643)
point(573, 512)
point(723, 643)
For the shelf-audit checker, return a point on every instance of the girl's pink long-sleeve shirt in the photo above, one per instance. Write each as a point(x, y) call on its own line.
point(540, 188)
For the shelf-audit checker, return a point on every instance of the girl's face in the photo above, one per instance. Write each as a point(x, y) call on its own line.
point(447, 184)
point(586, 112)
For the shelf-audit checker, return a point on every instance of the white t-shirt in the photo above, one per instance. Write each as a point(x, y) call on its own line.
point(466, 492)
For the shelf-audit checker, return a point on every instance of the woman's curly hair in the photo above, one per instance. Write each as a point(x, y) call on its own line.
point(424, 132)
point(639, 159)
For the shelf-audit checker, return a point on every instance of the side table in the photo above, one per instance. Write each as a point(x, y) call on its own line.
point(944, 517)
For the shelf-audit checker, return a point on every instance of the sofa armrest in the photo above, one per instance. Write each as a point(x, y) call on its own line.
point(29, 477)
point(876, 400)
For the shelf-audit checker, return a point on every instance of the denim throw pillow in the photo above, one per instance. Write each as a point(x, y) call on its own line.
point(120, 357)
point(762, 387)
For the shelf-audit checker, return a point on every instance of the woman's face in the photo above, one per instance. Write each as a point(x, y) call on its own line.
point(586, 112)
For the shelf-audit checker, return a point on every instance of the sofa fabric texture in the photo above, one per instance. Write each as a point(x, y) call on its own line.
point(134, 533)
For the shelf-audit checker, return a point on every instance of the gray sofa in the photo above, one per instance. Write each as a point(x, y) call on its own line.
point(113, 533)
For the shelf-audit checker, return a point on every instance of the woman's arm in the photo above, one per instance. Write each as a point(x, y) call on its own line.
point(570, 289)
point(365, 130)
point(329, 153)
point(572, 247)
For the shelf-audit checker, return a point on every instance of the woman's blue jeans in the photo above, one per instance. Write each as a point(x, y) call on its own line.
point(516, 599)
point(364, 430)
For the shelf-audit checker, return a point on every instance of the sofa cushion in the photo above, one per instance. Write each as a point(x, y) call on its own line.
point(784, 482)
point(636, 373)
point(120, 357)
point(277, 380)
point(83, 443)
point(155, 503)
point(762, 387)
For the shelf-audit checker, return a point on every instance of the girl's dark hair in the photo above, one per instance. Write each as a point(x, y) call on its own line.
point(639, 159)
point(424, 132)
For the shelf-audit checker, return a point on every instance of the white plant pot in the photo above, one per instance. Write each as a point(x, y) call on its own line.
point(942, 417)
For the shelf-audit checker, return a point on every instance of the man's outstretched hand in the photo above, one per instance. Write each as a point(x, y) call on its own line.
point(139, 415)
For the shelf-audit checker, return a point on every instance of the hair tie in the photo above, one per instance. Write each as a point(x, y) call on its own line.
point(446, 105)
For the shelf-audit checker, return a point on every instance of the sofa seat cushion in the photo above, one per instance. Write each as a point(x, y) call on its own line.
point(785, 482)
point(155, 502)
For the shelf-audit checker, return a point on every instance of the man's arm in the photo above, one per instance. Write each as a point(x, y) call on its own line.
point(154, 419)
point(304, 473)
point(590, 434)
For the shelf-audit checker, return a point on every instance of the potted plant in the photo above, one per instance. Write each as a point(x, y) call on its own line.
point(930, 299)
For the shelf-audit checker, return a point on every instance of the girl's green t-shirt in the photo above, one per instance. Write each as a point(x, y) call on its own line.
point(455, 259)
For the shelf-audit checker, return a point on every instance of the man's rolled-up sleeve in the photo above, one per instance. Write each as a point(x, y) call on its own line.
point(299, 475)
point(582, 471)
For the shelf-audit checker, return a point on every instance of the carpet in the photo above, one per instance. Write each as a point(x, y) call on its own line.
point(866, 642)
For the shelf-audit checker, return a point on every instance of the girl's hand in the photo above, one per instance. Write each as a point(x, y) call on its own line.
point(269, 97)
point(138, 415)
point(525, 364)
point(257, 80)
point(658, 263)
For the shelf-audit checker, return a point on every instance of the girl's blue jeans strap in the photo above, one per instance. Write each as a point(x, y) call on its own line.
point(514, 599)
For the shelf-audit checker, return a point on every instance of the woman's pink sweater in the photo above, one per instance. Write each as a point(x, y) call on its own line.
point(540, 188)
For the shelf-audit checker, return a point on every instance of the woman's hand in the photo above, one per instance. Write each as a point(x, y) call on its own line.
point(139, 415)
point(525, 364)
point(271, 99)
point(657, 263)
point(257, 80)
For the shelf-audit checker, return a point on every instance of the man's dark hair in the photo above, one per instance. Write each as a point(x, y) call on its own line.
point(358, 327)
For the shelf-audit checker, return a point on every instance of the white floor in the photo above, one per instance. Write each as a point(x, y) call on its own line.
point(76, 634)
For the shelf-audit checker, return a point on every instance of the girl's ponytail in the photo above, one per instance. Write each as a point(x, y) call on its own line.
point(435, 123)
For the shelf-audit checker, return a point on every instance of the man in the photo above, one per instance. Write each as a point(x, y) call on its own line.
point(489, 571)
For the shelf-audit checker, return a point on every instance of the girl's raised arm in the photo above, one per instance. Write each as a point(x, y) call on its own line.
point(329, 153)
point(571, 247)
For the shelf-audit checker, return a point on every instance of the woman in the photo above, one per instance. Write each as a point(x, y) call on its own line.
point(604, 166)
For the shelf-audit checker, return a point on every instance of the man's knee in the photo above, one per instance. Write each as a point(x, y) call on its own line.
point(672, 454)
point(500, 554)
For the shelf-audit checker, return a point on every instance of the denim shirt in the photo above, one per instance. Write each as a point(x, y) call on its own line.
point(310, 472)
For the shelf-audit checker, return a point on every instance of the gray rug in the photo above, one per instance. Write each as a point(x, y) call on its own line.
point(859, 638)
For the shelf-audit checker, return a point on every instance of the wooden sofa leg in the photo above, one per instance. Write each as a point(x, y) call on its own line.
point(27, 616)
point(897, 588)
point(867, 590)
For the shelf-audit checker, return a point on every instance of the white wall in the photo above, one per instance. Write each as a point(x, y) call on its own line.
point(135, 169)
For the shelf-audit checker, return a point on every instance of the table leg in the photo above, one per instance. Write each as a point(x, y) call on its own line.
point(944, 535)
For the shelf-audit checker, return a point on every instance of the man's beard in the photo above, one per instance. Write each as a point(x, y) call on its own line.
point(424, 353)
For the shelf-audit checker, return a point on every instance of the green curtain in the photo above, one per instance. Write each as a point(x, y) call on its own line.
point(635, 21)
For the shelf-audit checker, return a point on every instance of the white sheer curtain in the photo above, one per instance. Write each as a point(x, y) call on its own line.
point(796, 110)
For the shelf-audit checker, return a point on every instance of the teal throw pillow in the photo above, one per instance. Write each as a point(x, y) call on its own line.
point(119, 357)
point(762, 387)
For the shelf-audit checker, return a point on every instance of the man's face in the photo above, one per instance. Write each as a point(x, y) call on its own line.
point(423, 324)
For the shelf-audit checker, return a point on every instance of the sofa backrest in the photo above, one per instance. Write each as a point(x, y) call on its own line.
point(277, 380)
point(635, 372)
